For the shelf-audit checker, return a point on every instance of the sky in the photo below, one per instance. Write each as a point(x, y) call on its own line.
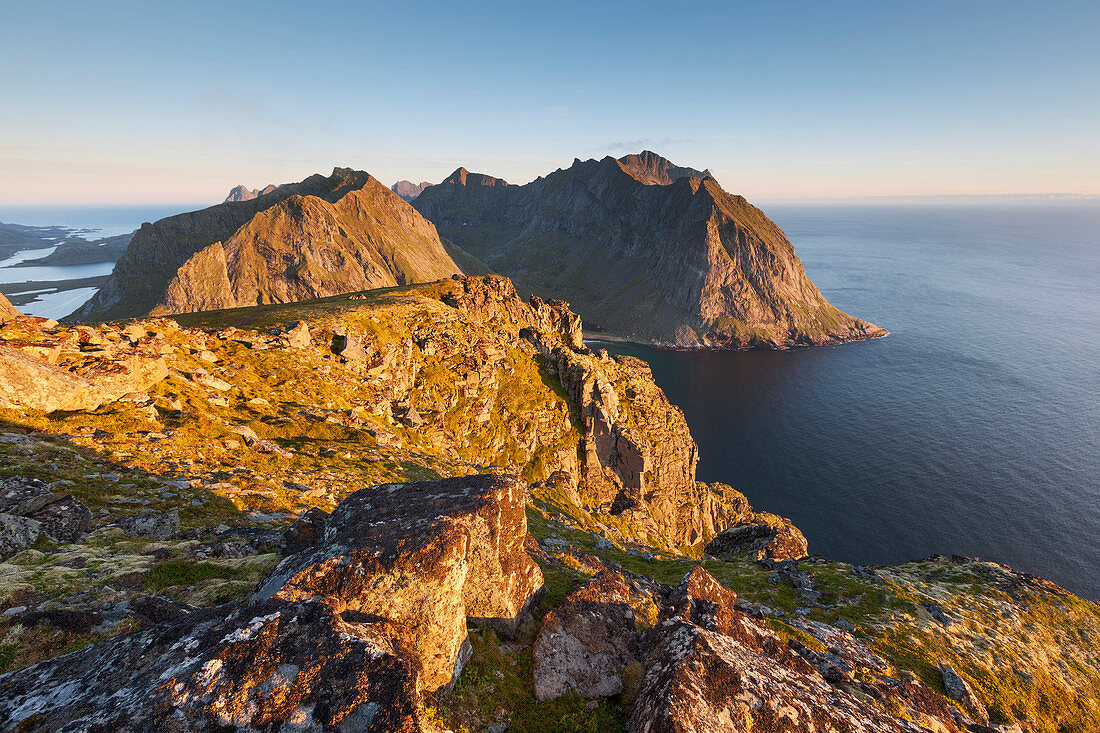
point(149, 102)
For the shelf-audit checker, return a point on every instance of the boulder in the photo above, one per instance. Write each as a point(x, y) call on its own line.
point(349, 347)
point(305, 531)
point(151, 525)
point(8, 312)
point(27, 383)
point(17, 534)
point(65, 520)
point(23, 495)
point(272, 666)
point(426, 555)
point(959, 689)
point(586, 642)
point(298, 336)
point(760, 537)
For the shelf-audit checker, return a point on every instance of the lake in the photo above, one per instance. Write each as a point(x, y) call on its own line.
point(973, 428)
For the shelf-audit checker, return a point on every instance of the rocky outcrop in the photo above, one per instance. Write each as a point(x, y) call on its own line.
point(643, 249)
point(46, 368)
point(409, 190)
point(587, 642)
point(322, 236)
point(759, 537)
point(710, 667)
point(29, 509)
point(341, 636)
point(428, 556)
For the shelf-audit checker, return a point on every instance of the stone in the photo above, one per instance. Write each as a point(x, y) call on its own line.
point(586, 642)
point(426, 555)
point(305, 531)
point(151, 525)
point(298, 336)
point(272, 666)
point(773, 538)
point(349, 347)
point(17, 534)
point(959, 689)
point(65, 520)
point(23, 495)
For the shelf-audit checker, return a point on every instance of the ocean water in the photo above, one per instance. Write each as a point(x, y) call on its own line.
point(88, 223)
point(973, 428)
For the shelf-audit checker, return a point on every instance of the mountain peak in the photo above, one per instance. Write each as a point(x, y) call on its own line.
point(463, 177)
point(655, 170)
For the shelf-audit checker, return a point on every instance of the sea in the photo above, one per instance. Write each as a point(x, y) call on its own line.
point(973, 428)
point(88, 223)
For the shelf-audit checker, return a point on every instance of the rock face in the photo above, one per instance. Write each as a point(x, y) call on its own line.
point(29, 509)
point(643, 249)
point(587, 642)
point(427, 556)
point(341, 636)
point(322, 236)
point(409, 190)
point(44, 368)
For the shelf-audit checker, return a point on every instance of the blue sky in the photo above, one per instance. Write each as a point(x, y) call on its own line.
point(124, 102)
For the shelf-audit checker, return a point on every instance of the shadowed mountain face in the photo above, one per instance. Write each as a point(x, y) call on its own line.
point(643, 249)
point(322, 236)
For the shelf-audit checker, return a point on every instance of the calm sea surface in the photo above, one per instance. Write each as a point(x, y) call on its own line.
point(973, 428)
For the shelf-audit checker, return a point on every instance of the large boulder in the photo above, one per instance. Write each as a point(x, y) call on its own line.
point(8, 312)
point(587, 642)
point(151, 525)
point(17, 534)
point(271, 666)
point(760, 537)
point(426, 555)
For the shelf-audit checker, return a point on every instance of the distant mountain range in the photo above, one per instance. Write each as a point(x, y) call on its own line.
point(322, 236)
point(409, 190)
point(242, 193)
point(643, 249)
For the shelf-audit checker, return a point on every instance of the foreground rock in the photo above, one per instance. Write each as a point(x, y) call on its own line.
point(586, 643)
point(270, 666)
point(342, 636)
point(760, 537)
point(8, 312)
point(425, 555)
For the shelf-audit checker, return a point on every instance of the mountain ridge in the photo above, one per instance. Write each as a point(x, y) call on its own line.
point(682, 263)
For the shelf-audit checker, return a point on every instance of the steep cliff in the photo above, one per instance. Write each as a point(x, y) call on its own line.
point(643, 249)
point(319, 237)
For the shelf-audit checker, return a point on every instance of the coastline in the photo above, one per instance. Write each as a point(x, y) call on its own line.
point(594, 337)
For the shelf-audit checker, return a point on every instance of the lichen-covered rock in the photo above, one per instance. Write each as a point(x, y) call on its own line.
point(305, 531)
point(65, 520)
point(586, 642)
point(426, 555)
point(16, 534)
point(759, 537)
point(23, 495)
point(271, 666)
point(151, 525)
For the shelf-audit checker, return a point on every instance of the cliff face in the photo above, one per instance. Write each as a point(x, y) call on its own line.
point(323, 236)
point(642, 251)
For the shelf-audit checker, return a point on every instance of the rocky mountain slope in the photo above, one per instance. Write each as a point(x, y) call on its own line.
point(320, 237)
point(643, 249)
point(431, 508)
point(409, 190)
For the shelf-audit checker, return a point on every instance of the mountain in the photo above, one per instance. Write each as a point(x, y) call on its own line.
point(322, 236)
point(643, 249)
point(409, 190)
point(7, 310)
point(242, 193)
